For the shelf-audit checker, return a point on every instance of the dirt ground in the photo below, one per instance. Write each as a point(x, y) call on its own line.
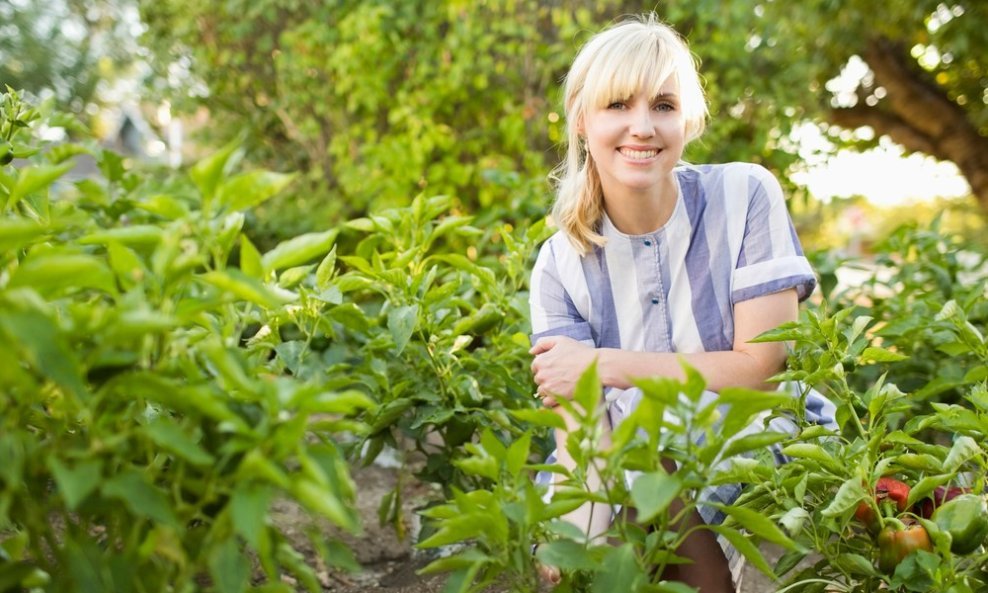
point(389, 564)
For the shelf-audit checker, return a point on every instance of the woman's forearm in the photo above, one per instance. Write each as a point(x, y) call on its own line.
point(617, 368)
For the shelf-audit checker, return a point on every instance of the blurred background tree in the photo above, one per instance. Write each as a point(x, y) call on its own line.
point(375, 101)
point(72, 51)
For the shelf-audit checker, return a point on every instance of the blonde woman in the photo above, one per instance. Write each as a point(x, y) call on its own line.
point(656, 259)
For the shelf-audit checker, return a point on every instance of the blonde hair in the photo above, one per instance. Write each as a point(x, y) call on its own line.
point(634, 55)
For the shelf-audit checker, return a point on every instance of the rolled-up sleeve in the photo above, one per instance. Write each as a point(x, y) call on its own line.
point(771, 258)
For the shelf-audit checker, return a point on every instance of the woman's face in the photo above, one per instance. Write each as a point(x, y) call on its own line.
point(635, 142)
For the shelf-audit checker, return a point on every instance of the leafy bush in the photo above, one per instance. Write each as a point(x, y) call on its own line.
point(901, 324)
point(917, 323)
point(143, 439)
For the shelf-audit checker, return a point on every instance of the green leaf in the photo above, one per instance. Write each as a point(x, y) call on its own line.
point(298, 250)
point(247, 190)
point(964, 448)
point(139, 234)
point(292, 277)
point(249, 506)
point(745, 403)
point(250, 259)
point(323, 501)
point(922, 462)
point(517, 454)
point(32, 179)
point(45, 347)
point(850, 493)
point(16, 233)
point(620, 571)
point(460, 580)
point(588, 390)
point(753, 442)
point(236, 283)
point(793, 520)
point(814, 452)
point(855, 564)
point(59, 273)
point(874, 354)
point(458, 561)
point(170, 437)
point(401, 324)
point(653, 492)
point(140, 497)
point(229, 567)
point(206, 174)
point(486, 467)
point(564, 554)
point(78, 482)
point(164, 206)
point(332, 402)
point(748, 550)
point(758, 524)
point(326, 270)
point(539, 417)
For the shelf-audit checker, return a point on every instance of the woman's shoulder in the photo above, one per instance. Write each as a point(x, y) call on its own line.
point(726, 182)
point(558, 246)
point(712, 173)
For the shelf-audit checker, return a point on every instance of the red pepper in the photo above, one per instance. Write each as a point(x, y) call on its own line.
point(885, 489)
point(924, 508)
point(895, 542)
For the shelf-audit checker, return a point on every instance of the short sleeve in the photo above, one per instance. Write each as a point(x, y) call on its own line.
point(553, 312)
point(771, 258)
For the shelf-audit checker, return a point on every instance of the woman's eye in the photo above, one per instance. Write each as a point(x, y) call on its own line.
point(664, 107)
point(616, 105)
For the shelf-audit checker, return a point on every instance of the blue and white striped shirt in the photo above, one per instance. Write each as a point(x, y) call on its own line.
point(729, 239)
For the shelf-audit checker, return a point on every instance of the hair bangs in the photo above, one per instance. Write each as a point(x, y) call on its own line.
point(632, 65)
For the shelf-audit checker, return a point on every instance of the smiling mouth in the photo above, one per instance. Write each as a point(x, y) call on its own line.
point(638, 155)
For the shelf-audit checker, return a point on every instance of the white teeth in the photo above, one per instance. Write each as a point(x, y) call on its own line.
point(639, 154)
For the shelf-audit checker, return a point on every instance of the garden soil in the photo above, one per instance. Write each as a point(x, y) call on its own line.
point(390, 564)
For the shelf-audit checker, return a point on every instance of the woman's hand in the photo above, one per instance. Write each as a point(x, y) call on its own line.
point(559, 362)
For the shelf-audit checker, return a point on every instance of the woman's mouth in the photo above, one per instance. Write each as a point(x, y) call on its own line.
point(638, 155)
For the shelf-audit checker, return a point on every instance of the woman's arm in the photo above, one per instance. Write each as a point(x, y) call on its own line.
point(560, 361)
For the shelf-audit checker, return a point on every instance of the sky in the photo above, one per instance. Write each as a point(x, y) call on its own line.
point(883, 175)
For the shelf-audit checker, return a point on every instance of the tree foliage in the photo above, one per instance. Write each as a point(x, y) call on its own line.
point(380, 100)
point(65, 49)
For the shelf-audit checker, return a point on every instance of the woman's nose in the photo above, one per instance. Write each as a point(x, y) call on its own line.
point(641, 122)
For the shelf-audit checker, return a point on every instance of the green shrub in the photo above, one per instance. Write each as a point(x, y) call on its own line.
point(143, 438)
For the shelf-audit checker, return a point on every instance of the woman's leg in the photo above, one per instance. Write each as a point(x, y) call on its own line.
point(708, 569)
point(593, 518)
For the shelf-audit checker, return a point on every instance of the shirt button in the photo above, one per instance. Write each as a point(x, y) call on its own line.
point(648, 243)
point(655, 301)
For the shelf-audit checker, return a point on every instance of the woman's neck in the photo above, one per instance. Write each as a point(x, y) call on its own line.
point(638, 213)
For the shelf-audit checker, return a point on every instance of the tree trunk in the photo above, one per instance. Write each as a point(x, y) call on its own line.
point(918, 114)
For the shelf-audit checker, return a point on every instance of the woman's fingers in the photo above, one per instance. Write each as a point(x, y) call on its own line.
point(542, 345)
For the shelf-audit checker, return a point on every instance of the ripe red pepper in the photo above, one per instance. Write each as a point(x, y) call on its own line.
point(885, 489)
point(895, 542)
point(925, 508)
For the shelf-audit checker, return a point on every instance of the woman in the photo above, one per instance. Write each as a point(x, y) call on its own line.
point(656, 259)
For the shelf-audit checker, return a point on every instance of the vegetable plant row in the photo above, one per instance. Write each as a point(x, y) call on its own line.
point(165, 381)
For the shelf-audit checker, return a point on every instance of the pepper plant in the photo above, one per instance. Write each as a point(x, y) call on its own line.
point(865, 499)
point(143, 433)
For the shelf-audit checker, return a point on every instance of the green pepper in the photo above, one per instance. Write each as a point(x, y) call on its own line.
point(896, 541)
point(965, 518)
